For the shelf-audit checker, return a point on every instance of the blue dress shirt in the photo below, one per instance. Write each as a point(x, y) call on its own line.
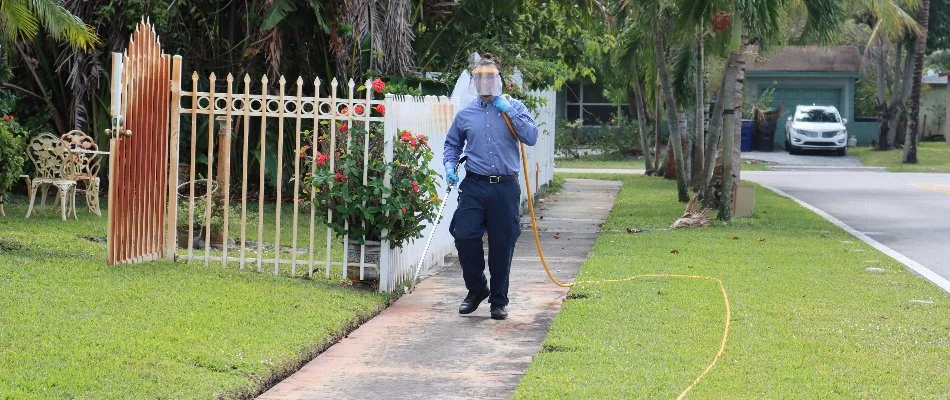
point(490, 147)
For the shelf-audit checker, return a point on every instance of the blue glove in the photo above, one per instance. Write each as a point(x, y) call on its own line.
point(450, 178)
point(502, 104)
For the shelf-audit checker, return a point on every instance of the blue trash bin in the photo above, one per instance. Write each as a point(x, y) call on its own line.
point(746, 132)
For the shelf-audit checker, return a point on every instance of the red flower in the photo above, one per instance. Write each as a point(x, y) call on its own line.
point(511, 86)
point(406, 136)
point(359, 110)
point(346, 111)
point(300, 201)
point(344, 128)
point(303, 151)
point(339, 176)
point(423, 139)
point(321, 159)
point(415, 187)
point(404, 210)
point(381, 109)
point(379, 85)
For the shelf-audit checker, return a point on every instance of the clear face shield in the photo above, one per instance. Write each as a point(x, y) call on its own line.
point(487, 80)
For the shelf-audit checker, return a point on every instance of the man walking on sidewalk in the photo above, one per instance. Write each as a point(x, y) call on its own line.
point(489, 198)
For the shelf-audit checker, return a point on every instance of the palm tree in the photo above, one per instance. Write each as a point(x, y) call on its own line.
point(21, 20)
point(753, 22)
point(20, 24)
point(910, 147)
point(893, 63)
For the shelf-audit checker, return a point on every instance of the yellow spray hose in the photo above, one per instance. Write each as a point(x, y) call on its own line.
point(547, 270)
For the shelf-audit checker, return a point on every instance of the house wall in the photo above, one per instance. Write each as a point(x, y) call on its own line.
point(759, 81)
point(933, 106)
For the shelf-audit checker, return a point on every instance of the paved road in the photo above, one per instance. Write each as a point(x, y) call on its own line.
point(907, 212)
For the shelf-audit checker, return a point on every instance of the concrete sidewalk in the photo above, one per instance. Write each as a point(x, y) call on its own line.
point(420, 347)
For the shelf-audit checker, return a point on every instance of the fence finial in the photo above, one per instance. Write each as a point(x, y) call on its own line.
point(282, 80)
point(247, 79)
point(230, 77)
point(264, 80)
point(299, 81)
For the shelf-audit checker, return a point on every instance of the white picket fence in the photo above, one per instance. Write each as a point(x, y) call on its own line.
point(433, 116)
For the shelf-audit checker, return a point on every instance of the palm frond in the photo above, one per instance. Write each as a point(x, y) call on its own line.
point(63, 25)
point(761, 19)
point(683, 75)
point(824, 17)
point(17, 21)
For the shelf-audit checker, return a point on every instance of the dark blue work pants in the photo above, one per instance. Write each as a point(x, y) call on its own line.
point(495, 208)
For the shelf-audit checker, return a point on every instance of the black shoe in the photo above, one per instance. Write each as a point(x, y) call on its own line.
point(472, 301)
point(499, 312)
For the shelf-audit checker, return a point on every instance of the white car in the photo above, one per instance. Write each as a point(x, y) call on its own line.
point(816, 128)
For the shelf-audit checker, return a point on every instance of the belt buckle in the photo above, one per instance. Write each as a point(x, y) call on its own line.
point(494, 179)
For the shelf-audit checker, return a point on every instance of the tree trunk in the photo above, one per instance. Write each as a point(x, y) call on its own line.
point(675, 138)
point(884, 120)
point(715, 130)
point(686, 140)
point(699, 145)
point(883, 115)
point(737, 120)
point(893, 125)
point(910, 143)
point(729, 170)
point(58, 119)
point(641, 122)
point(658, 131)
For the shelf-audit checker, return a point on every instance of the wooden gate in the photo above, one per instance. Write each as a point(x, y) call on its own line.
point(138, 162)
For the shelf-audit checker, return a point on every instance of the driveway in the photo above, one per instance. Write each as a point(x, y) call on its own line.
point(783, 160)
point(908, 212)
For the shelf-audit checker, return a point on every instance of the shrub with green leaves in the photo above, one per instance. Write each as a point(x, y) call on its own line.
point(411, 199)
point(11, 153)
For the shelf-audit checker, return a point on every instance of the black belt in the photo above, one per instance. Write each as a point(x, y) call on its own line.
point(491, 178)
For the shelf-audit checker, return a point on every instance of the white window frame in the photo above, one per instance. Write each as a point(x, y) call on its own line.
point(581, 104)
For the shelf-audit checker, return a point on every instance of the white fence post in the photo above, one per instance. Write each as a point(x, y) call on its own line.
point(387, 281)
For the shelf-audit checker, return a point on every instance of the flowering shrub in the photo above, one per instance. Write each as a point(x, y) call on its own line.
point(411, 199)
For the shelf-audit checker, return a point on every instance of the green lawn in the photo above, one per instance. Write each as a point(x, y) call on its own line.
point(932, 157)
point(286, 238)
point(600, 162)
point(808, 320)
point(71, 327)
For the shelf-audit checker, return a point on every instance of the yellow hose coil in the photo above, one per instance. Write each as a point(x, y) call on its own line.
point(547, 270)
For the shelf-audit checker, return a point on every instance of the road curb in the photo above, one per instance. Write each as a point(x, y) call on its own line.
point(912, 265)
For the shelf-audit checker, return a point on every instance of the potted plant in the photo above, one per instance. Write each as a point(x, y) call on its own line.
point(364, 211)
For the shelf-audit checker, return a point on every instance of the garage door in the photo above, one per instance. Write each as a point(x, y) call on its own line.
point(791, 97)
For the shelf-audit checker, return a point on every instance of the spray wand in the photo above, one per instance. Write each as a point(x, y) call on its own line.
point(435, 225)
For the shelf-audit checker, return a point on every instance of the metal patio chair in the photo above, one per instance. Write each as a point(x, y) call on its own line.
point(84, 166)
point(51, 161)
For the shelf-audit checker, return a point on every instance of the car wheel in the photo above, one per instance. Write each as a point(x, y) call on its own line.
point(793, 150)
point(842, 151)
